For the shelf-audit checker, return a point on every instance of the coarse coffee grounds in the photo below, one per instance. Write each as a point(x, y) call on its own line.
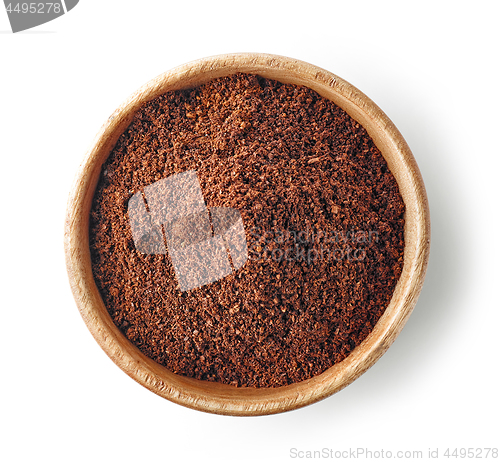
point(323, 222)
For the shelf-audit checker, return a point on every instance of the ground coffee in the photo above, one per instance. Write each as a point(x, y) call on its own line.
point(321, 218)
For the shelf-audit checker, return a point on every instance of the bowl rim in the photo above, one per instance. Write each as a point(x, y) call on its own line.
point(215, 397)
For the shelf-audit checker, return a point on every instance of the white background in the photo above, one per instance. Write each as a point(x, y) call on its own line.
point(431, 66)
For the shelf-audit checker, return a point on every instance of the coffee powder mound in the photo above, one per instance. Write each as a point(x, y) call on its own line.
point(323, 221)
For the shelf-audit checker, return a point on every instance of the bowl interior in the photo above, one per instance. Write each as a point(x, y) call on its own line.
point(216, 397)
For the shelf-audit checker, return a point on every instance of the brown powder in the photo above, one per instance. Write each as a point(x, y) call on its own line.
point(323, 222)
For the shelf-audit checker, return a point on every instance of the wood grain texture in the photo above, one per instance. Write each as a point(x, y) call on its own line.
point(226, 399)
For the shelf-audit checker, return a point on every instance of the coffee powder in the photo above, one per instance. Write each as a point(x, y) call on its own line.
point(323, 223)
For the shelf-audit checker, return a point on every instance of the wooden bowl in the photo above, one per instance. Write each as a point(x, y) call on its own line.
point(215, 397)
